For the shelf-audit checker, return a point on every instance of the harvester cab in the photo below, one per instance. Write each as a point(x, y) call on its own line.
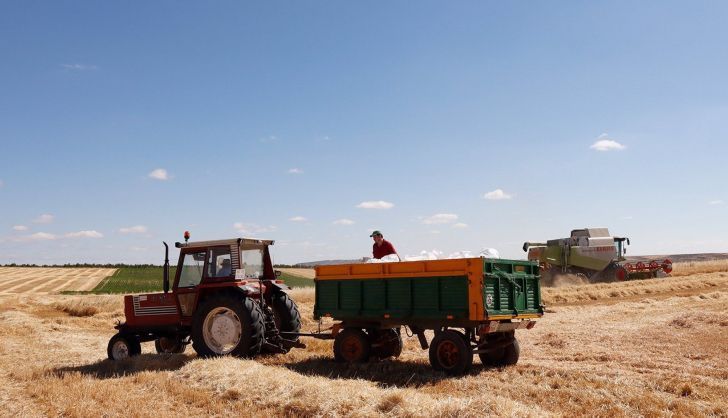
point(591, 253)
point(225, 298)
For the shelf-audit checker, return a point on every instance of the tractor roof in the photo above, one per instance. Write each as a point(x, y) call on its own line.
point(217, 243)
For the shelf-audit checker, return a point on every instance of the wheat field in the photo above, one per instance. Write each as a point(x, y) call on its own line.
point(644, 348)
point(44, 280)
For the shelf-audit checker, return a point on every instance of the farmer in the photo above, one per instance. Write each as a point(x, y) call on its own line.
point(226, 268)
point(381, 247)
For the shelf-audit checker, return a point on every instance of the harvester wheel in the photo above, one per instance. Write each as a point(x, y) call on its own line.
point(450, 353)
point(504, 356)
point(285, 313)
point(386, 342)
point(228, 325)
point(122, 346)
point(169, 345)
point(621, 274)
point(351, 346)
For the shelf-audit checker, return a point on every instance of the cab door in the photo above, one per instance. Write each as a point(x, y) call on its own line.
point(189, 276)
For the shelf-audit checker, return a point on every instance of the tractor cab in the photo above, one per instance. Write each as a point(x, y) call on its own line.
point(224, 298)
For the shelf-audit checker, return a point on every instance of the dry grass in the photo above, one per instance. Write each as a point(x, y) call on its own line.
point(43, 280)
point(659, 350)
point(618, 292)
point(697, 267)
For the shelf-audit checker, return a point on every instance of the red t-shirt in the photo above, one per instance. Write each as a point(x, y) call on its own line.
point(385, 249)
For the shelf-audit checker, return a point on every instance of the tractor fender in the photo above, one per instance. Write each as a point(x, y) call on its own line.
point(274, 285)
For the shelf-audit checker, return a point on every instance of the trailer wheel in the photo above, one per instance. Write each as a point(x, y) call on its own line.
point(228, 325)
point(285, 314)
point(504, 356)
point(169, 345)
point(122, 346)
point(386, 343)
point(351, 346)
point(450, 353)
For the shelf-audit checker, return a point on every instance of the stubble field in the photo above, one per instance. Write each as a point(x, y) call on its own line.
point(41, 280)
point(643, 348)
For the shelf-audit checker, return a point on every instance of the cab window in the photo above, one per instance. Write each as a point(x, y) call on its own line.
point(192, 268)
point(219, 263)
point(252, 263)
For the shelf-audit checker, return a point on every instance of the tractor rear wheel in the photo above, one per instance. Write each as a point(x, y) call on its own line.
point(169, 345)
point(122, 346)
point(285, 314)
point(386, 342)
point(504, 356)
point(451, 353)
point(351, 346)
point(228, 325)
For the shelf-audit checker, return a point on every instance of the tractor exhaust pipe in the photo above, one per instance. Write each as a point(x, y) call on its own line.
point(166, 267)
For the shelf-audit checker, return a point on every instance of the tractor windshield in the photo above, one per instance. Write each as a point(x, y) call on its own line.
point(191, 273)
point(252, 263)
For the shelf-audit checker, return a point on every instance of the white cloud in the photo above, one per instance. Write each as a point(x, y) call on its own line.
point(160, 174)
point(137, 229)
point(460, 225)
point(605, 144)
point(79, 67)
point(344, 222)
point(42, 236)
point(297, 219)
point(375, 204)
point(716, 202)
point(295, 171)
point(252, 229)
point(45, 218)
point(497, 194)
point(440, 218)
point(20, 228)
point(84, 234)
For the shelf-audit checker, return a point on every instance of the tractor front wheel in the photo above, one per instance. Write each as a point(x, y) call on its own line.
point(352, 346)
point(122, 346)
point(228, 325)
point(451, 353)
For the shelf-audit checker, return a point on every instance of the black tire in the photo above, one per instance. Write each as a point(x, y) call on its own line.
point(222, 313)
point(386, 342)
point(450, 353)
point(351, 346)
point(285, 314)
point(169, 345)
point(122, 346)
point(504, 356)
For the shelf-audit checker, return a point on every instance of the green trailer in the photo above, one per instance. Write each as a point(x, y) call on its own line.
point(473, 305)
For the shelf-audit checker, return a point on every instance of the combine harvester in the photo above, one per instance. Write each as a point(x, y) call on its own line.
point(592, 254)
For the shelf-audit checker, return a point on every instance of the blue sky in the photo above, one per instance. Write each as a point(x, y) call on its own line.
point(279, 119)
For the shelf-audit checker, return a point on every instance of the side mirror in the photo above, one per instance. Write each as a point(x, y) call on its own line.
point(278, 273)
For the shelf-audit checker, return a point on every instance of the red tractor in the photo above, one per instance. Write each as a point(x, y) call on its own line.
point(225, 299)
